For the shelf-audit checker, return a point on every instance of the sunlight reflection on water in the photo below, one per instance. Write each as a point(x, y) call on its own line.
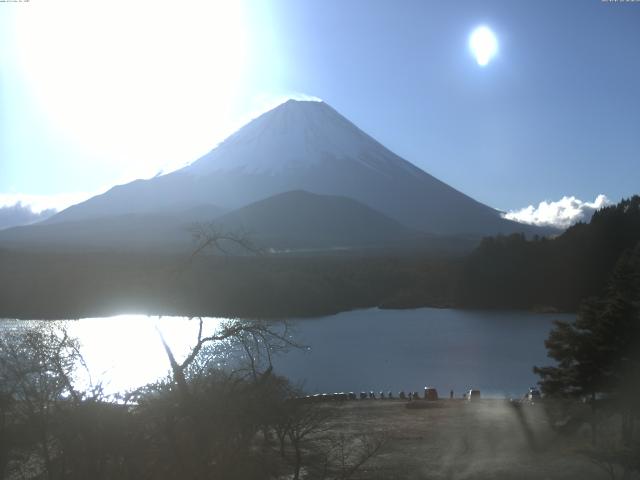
point(127, 351)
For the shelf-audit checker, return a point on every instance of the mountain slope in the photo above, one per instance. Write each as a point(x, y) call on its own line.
point(303, 145)
point(302, 220)
point(123, 232)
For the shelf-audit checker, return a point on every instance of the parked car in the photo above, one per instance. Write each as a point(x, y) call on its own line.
point(430, 393)
point(533, 395)
point(473, 395)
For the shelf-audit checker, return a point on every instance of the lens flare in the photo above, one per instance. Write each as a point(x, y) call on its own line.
point(484, 45)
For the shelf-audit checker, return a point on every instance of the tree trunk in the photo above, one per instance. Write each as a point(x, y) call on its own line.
point(46, 455)
point(594, 420)
point(298, 464)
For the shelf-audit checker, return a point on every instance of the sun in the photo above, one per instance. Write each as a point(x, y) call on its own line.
point(484, 45)
point(136, 82)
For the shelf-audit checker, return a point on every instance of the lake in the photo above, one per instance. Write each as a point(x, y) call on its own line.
point(361, 350)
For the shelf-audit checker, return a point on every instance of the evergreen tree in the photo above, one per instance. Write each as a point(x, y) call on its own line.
point(597, 356)
point(598, 352)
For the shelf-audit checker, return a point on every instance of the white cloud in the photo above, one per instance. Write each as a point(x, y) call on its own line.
point(19, 214)
point(40, 203)
point(561, 214)
point(23, 209)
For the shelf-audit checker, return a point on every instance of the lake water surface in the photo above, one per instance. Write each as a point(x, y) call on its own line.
point(397, 350)
point(356, 351)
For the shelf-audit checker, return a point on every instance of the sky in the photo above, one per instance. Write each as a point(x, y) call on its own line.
point(94, 93)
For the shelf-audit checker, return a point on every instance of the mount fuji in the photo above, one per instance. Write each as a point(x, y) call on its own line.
point(298, 146)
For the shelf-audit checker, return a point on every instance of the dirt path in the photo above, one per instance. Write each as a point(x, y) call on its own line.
point(454, 439)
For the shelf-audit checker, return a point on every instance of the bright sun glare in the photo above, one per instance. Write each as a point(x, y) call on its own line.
point(135, 82)
point(134, 362)
point(483, 44)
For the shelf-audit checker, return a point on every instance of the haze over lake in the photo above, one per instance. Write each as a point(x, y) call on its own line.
point(361, 350)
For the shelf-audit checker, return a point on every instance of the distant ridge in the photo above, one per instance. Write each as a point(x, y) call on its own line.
point(290, 222)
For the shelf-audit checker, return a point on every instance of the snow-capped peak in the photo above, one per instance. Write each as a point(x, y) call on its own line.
point(295, 134)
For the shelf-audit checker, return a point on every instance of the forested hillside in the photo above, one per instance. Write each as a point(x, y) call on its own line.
point(513, 272)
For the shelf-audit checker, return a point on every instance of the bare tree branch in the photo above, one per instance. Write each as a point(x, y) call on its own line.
point(211, 236)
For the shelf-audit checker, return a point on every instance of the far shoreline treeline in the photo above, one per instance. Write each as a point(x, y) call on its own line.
point(503, 272)
point(41, 285)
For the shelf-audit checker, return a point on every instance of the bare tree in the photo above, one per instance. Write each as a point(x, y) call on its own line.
point(37, 366)
point(211, 236)
point(211, 417)
point(302, 422)
point(258, 338)
point(193, 427)
point(308, 428)
point(346, 455)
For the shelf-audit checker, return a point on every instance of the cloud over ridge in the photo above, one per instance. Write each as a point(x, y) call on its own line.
point(21, 214)
point(23, 209)
point(560, 214)
point(38, 203)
